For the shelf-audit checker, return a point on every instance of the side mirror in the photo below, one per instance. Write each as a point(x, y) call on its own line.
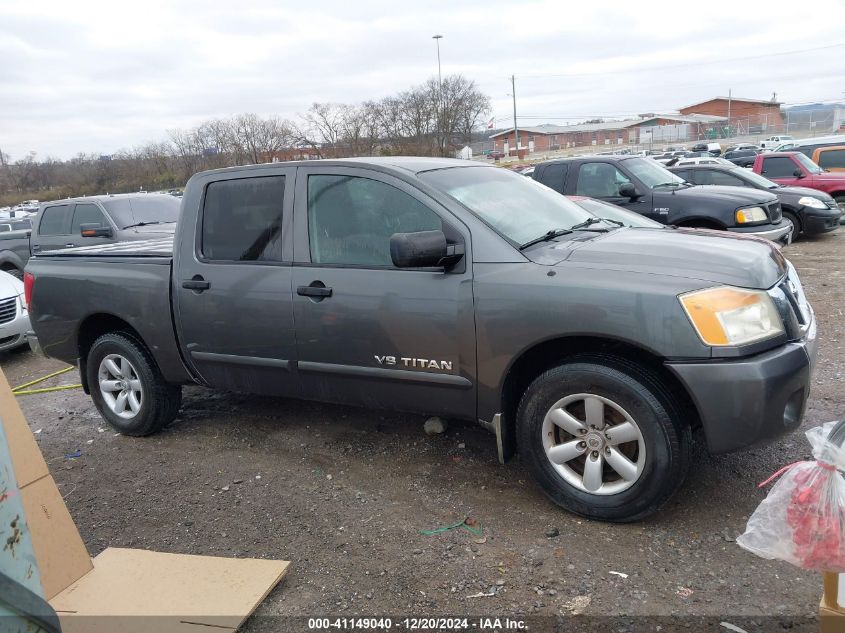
point(94, 230)
point(628, 190)
point(798, 173)
point(424, 249)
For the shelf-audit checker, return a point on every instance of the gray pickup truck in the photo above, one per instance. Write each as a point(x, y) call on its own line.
point(451, 288)
point(89, 220)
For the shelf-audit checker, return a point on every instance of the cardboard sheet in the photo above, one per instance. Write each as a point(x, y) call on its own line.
point(180, 592)
point(61, 553)
point(124, 590)
point(832, 607)
point(27, 460)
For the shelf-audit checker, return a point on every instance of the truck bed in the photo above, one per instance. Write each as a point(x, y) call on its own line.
point(129, 281)
point(162, 247)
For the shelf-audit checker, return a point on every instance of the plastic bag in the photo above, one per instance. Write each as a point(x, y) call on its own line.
point(802, 520)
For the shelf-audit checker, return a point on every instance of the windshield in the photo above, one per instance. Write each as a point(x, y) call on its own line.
point(519, 208)
point(651, 173)
point(808, 164)
point(609, 211)
point(147, 209)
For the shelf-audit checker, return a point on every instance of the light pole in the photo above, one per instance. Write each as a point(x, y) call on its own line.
point(437, 39)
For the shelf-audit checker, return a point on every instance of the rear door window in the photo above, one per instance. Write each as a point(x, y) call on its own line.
point(242, 219)
point(726, 180)
point(554, 176)
point(55, 220)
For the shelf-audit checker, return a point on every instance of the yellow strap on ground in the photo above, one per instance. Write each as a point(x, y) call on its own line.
point(45, 390)
point(43, 378)
point(21, 390)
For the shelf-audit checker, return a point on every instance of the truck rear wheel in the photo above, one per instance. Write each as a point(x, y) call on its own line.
point(127, 386)
point(604, 438)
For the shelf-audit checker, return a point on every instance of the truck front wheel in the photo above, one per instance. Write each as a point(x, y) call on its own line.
point(127, 386)
point(604, 438)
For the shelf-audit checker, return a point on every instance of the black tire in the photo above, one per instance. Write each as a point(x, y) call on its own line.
point(666, 436)
point(160, 400)
point(796, 224)
point(17, 273)
point(840, 200)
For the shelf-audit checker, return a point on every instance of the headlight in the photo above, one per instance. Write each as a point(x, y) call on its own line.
point(732, 316)
point(750, 214)
point(814, 203)
point(23, 303)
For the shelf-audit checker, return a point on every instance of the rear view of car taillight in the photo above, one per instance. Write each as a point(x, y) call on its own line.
point(28, 286)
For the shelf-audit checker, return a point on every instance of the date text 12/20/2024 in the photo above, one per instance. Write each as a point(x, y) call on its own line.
point(417, 624)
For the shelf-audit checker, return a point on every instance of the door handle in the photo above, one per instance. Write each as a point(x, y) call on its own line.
point(314, 291)
point(197, 283)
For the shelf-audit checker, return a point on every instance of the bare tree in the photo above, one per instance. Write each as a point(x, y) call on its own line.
point(423, 120)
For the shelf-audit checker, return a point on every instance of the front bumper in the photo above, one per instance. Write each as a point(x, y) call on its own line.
point(780, 234)
point(13, 333)
point(820, 220)
point(743, 402)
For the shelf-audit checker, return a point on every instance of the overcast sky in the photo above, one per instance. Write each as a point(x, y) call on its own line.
point(82, 76)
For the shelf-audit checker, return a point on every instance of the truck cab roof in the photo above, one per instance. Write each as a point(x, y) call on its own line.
point(406, 164)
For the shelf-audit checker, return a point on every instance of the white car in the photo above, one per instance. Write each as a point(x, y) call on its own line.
point(703, 160)
point(14, 317)
point(774, 141)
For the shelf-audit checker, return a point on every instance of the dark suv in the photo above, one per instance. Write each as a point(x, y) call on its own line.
point(645, 186)
point(741, 157)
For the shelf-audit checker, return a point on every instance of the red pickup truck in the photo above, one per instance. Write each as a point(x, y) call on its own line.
point(795, 169)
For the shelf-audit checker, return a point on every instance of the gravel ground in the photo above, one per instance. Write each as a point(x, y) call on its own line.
point(343, 493)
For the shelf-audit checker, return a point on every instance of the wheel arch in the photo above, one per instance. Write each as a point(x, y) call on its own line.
point(544, 355)
point(94, 326)
point(9, 261)
point(794, 213)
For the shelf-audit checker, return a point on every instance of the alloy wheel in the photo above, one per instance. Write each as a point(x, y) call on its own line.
point(120, 386)
point(594, 444)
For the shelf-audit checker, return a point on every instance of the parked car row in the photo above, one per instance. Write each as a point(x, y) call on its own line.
point(809, 211)
point(647, 188)
point(796, 169)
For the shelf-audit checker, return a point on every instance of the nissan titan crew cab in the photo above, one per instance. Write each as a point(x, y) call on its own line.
point(449, 288)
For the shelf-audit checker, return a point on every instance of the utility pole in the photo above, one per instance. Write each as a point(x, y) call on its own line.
point(730, 130)
point(515, 128)
point(437, 39)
